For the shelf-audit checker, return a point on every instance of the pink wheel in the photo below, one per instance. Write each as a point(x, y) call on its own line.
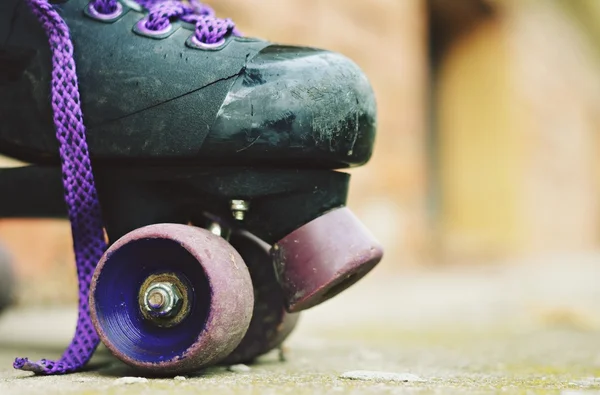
point(271, 324)
point(169, 299)
point(323, 258)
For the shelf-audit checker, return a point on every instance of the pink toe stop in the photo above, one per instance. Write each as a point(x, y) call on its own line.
point(323, 258)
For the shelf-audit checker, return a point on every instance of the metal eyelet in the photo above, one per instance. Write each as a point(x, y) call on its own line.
point(141, 29)
point(193, 42)
point(91, 12)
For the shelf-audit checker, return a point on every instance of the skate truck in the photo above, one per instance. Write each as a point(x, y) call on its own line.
point(199, 169)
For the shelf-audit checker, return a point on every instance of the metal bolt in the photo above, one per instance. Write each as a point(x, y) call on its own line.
point(215, 229)
point(157, 299)
point(239, 208)
point(162, 299)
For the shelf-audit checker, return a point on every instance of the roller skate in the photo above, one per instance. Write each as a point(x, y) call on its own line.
point(200, 172)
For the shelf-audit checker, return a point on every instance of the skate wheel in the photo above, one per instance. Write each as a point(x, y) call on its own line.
point(7, 279)
point(169, 299)
point(271, 324)
point(323, 258)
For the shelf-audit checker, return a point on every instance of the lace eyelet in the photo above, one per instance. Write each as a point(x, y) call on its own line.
point(193, 42)
point(141, 29)
point(91, 12)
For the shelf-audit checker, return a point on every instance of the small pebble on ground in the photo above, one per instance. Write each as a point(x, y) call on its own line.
point(180, 378)
point(369, 375)
point(130, 380)
point(587, 382)
point(239, 368)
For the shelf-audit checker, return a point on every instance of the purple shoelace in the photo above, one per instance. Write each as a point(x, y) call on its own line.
point(80, 192)
point(209, 28)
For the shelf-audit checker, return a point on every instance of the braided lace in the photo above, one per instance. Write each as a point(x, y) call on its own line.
point(209, 28)
point(78, 181)
point(80, 191)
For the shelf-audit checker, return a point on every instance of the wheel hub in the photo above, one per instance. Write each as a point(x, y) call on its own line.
point(163, 299)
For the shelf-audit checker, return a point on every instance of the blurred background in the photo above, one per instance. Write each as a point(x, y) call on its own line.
point(487, 151)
